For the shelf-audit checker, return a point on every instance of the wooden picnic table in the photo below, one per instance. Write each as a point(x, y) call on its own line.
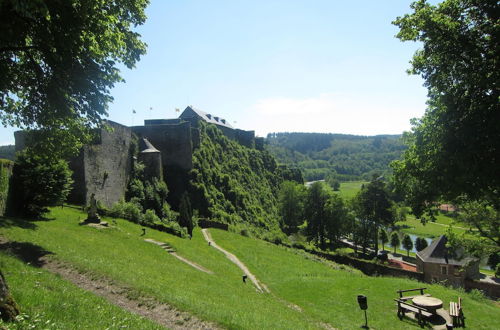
point(430, 303)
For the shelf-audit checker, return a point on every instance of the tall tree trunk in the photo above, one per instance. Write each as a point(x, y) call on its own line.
point(8, 307)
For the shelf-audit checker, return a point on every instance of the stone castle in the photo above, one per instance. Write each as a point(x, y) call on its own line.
point(166, 148)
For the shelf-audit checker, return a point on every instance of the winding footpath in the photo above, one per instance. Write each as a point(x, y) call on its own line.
point(260, 286)
point(171, 251)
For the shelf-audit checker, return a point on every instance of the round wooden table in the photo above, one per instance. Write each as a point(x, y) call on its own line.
point(429, 303)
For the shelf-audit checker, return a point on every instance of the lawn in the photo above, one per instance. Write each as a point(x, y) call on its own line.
point(349, 189)
point(50, 302)
point(431, 229)
point(325, 292)
point(330, 294)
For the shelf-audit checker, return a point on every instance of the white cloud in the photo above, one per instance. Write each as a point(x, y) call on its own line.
point(331, 113)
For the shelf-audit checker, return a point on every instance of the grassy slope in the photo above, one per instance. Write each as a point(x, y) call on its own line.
point(324, 294)
point(330, 295)
point(48, 301)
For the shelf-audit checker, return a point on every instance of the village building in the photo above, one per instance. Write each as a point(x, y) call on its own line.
point(438, 264)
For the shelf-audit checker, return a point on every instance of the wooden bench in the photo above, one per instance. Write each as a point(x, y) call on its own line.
point(411, 290)
point(456, 313)
point(420, 313)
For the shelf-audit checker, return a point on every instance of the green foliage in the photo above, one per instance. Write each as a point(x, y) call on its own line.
point(294, 277)
point(58, 63)
point(383, 237)
point(291, 200)
point(327, 216)
point(186, 214)
point(482, 216)
point(317, 196)
point(420, 244)
point(234, 184)
point(145, 195)
point(374, 208)
point(395, 241)
point(5, 175)
point(333, 181)
point(39, 182)
point(8, 152)
point(453, 148)
point(407, 243)
point(345, 157)
point(150, 217)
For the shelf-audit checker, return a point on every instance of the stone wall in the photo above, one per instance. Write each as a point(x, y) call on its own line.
point(245, 138)
point(491, 290)
point(107, 165)
point(370, 268)
point(6, 167)
point(172, 140)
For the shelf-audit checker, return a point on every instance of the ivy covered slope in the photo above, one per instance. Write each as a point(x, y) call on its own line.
point(234, 184)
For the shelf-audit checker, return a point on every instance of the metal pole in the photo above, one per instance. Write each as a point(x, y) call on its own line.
point(366, 321)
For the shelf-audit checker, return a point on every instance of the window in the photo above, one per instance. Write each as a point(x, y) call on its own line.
point(457, 271)
point(444, 270)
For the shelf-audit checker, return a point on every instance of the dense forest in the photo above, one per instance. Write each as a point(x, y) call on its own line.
point(7, 152)
point(347, 157)
point(235, 184)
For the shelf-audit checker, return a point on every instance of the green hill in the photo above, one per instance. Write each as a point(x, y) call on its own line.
point(235, 184)
point(305, 292)
point(349, 157)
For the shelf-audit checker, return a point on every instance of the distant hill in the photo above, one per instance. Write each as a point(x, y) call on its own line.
point(7, 152)
point(348, 157)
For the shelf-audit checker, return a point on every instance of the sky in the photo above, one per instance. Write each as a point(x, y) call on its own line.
point(327, 66)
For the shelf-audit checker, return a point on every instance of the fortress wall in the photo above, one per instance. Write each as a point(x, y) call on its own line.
point(245, 138)
point(107, 165)
point(173, 141)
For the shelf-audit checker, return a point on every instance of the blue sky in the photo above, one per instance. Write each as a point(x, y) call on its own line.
point(273, 66)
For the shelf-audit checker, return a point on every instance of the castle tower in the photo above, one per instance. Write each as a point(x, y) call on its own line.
point(151, 158)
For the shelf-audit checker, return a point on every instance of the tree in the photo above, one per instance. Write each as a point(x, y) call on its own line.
point(407, 244)
point(58, 63)
point(316, 199)
point(337, 218)
point(482, 216)
point(374, 206)
point(420, 244)
point(39, 182)
point(186, 214)
point(291, 206)
point(395, 242)
point(383, 237)
point(453, 149)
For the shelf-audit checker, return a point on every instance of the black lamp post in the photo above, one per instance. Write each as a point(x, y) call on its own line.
point(363, 304)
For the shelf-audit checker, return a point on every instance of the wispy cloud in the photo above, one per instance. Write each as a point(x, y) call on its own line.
point(330, 113)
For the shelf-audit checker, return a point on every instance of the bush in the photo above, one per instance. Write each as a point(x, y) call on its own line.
point(133, 212)
point(39, 182)
point(150, 217)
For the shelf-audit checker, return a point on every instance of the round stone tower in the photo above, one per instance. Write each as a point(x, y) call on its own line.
point(151, 158)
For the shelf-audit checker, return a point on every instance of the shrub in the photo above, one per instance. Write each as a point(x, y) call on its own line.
point(150, 217)
point(39, 182)
point(133, 212)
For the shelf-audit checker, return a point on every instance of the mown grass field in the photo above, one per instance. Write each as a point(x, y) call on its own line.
point(431, 229)
point(324, 293)
point(349, 189)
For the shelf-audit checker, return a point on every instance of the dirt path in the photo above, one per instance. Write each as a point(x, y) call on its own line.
point(169, 249)
point(148, 307)
point(260, 286)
